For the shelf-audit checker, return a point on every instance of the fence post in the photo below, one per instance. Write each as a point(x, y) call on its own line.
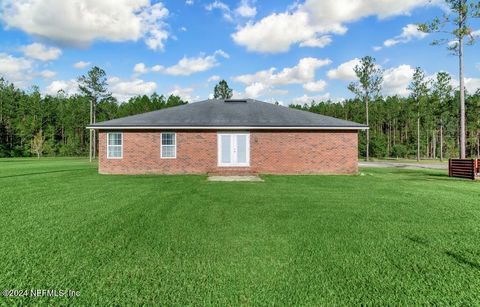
point(449, 167)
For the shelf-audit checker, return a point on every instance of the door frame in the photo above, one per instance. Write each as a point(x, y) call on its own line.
point(233, 141)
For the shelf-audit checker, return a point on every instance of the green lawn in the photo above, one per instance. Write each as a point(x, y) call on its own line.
point(387, 237)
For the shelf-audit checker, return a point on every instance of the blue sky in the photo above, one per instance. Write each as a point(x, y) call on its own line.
point(289, 51)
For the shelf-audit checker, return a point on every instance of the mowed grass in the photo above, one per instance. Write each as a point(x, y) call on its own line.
point(389, 237)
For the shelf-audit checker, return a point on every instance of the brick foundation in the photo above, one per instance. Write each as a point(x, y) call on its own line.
point(271, 152)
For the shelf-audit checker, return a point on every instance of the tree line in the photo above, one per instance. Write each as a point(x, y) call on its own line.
point(36, 124)
point(424, 125)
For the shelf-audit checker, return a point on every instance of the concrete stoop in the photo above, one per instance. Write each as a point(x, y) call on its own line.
point(235, 178)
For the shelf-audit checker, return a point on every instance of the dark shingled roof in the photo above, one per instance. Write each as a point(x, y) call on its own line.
point(229, 113)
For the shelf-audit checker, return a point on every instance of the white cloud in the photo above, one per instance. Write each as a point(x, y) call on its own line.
point(81, 64)
point(126, 89)
point(15, 69)
point(41, 52)
point(477, 66)
point(70, 87)
point(189, 2)
point(47, 74)
point(265, 81)
point(154, 34)
point(315, 86)
point(246, 9)
point(237, 95)
point(213, 78)
point(258, 89)
point(409, 32)
point(221, 53)
point(472, 84)
point(183, 29)
point(184, 93)
point(140, 68)
point(307, 21)
point(377, 48)
point(397, 79)
point(305, 99)
point(219, 5)
point(344, 11)
point(303, 72)
point(275, 33)
point(345, 71)
point(319, 42)
point(156, 68)
point(79, 23)
point(187, 66)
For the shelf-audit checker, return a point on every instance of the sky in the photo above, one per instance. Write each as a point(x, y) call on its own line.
point(285, 50)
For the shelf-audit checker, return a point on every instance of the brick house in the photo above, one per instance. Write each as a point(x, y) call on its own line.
point(228, 137)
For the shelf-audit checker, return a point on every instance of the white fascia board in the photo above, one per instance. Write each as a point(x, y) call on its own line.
point(222, 128)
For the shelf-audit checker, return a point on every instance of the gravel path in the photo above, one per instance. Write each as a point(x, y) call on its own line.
point(404, 165)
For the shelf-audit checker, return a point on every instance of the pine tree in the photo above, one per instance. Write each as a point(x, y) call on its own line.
point(369, 84)
point(222, 91)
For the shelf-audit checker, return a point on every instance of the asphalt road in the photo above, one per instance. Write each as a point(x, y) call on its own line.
point(404, 165)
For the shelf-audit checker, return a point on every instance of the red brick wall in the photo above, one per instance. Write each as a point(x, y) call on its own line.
point(272, 152)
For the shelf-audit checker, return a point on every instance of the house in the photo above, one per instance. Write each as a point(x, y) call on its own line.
point(228, 137)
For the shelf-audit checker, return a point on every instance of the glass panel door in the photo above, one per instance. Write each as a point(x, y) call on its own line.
point(233, 149)
point(225, 149)
point(241, 149)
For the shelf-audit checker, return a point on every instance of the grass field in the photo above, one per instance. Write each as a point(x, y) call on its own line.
point(389, 236)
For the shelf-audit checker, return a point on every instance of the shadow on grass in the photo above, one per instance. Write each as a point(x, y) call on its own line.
point(42, 173)
point(457, 257)
point(431, 176)
point(417, 240)
point(463, 260)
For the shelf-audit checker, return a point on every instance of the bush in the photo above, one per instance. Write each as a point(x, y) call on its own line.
point(378, 146)
point(399, 151)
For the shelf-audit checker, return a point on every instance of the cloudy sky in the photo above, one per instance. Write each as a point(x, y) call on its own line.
point(285, 50)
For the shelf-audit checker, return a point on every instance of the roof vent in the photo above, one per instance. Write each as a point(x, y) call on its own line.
point(235, 100)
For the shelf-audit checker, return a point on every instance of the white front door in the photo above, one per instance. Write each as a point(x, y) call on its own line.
point(234, 149)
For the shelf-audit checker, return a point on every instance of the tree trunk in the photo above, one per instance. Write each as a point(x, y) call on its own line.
point(367, 149)
point(427, 151)
point(418, 136)
point(94, 132)
point(394, 131)
point(388, 139)
point(441, 140)
point(406, 133)
point(478, 144)
point(462, 83)
point(91, 135)
point(434, 144)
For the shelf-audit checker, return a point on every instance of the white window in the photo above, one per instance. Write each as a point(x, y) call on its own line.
point(234, 149)
point(168, 147)
point(114, 145)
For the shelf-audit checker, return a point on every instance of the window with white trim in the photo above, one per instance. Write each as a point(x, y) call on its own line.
point(114, 145)
point(168, 141)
